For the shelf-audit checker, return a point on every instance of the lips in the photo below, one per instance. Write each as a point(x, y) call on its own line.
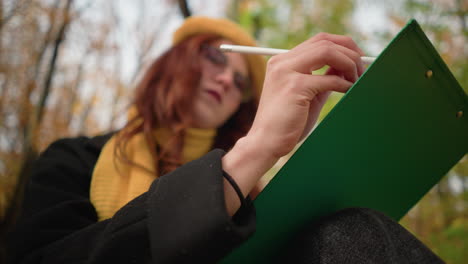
point(216, 95)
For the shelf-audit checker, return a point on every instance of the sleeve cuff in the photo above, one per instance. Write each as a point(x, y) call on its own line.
point(188, 220)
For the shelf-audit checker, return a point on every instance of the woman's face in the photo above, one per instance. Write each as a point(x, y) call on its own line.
point(224, 77)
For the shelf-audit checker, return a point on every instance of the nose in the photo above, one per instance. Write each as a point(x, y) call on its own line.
point(225, 78)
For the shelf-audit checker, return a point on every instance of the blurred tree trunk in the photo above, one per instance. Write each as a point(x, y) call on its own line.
point(184, 8)
point(52, 66)
point(30, 151)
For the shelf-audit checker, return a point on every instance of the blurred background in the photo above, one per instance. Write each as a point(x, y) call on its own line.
point(68, 68)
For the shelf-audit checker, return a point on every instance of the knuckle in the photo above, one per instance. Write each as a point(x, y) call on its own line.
point(336, 81)
point(326, 42)
point(355, 56)
point(326, 51)
point(322, 35)
point(351, 43)
point(348, 39)
point(274, 64)
point(273, 61)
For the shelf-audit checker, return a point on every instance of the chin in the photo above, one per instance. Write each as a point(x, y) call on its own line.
point(206, 122)
point(207, 118)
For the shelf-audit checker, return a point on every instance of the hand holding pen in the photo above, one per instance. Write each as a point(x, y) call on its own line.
point(292, 97)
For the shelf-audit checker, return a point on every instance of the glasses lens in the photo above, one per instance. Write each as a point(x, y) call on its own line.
point(243, 84)
point(215, 55)
point(240, 82)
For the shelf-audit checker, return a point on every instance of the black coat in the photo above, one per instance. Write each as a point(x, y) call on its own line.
point(181, 218)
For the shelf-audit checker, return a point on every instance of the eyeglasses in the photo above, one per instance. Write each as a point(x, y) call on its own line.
point(218, 58)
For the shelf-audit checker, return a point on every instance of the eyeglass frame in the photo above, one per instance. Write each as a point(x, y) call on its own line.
point(217, 57)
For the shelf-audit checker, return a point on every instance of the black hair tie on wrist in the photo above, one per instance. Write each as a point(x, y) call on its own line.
point(236, 188)
point(244, 213)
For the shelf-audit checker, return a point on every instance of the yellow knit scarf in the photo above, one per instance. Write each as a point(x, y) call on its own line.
point(114, 183)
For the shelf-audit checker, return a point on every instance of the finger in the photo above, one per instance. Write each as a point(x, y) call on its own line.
point(355, 56)
point(325, 83)
point(352, 54)
point(331, 71)
point(315, 107)
point(345, 41)
point(321, 55)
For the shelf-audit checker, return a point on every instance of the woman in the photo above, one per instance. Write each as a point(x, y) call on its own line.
point(105, 199)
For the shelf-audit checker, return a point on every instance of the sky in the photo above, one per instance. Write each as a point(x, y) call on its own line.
point(370, 18)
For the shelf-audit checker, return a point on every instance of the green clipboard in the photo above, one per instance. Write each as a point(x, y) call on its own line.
point(400, 128)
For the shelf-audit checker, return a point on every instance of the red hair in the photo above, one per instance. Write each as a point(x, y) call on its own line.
point(164, 99)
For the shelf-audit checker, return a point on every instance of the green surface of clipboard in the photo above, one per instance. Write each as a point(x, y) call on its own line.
point(391, 138)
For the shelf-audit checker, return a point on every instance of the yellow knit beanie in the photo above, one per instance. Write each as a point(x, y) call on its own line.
point(230, 31)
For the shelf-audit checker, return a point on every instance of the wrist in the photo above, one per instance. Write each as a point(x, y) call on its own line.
point(247, 162)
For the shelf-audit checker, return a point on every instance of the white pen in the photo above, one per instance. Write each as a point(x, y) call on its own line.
point(269, 51)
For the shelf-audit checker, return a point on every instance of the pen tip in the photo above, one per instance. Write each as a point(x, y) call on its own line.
point(224, 47)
